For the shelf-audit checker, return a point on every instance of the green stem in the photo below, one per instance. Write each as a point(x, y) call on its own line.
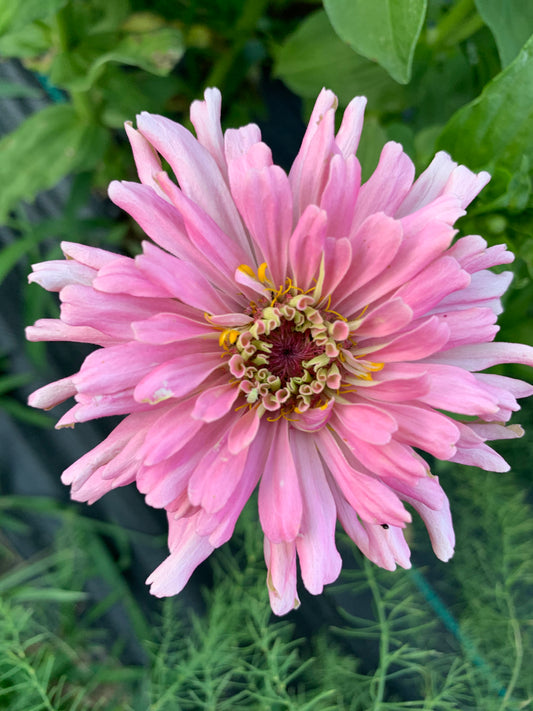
point(456, 25)
point(83, 105)
point(61, 24)
point(251, 12)
point(384, 640)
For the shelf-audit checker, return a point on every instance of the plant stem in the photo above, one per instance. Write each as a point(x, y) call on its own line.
point(456, 25)
point(384, 641)
point(252, 11)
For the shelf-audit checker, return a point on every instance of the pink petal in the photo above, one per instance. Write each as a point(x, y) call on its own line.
point(110, 313)
point(308, 238)
point(239, 141)
point(196, 171)
point(373, 501)
point(146, 158)
point(221, 251)
point(374, 246)
point(52, 394)
point(163, 328)
point(320, 561)
point(216, 477)
point(122, 276)
point(90, 256)
point(280, 500)
point(426, 429)
point(421, 341)
point(244, 430)
point(188, 551)
point(205, 117)
point(340, 194)
point(268, 219)
point(170, 433)
point(177, 377)
point(393, 459)
point(440, 527)
point(388, 185)
point(443, 177)
point(469, 326)
point(347, 138)
point(430, 286)
point(413, 254)
point(55, 274)
point(117, 368)
point(485, 355)
point(184, 280)
point(388, 317)
point(280, 559)
point(52, 329)
point(309, 171)
point(215, 402)
point(162, 222)
point(368, 422)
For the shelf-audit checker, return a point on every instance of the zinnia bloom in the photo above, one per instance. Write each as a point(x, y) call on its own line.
point(304, 333)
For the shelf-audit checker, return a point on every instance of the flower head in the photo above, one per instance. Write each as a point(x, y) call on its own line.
point(301, 332)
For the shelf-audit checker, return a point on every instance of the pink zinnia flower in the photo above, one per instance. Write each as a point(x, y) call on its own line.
point(299, 332)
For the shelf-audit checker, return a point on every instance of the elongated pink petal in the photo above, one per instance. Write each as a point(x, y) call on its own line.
point(280, 559)
point(347, 138)
point(308, 237)
point(280, 500)
point(387, 186)
point(196, 171)
point(368, 422)
point(205, 117)
point(167, 380)
point(373, 501)
point(163, 328)
point(320, 561)
point(269, 219)
point(52, 394)
point(56, 274)
point(190, 550)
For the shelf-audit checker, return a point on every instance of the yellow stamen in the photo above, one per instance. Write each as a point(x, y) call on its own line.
point(261, 273)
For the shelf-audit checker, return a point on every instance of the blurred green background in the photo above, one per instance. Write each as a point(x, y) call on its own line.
point(77, 627)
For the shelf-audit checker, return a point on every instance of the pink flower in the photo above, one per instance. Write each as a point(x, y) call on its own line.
point(301, 332)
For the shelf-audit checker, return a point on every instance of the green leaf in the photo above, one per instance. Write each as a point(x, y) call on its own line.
point(494, 130)
point(156, 52)
point(511, 23)
point(11, 90)
point(15, 14)
point(385, 31)
point(311, 57)
point(42, 150)
point(34, 40)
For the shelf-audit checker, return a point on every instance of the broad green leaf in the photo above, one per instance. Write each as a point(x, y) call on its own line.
point(156, 52)
point(511, 23)
point(42, 150)
point(312, 56)
point(494, 130)
point(15, 14)
point(385, 31)
point(31, 41)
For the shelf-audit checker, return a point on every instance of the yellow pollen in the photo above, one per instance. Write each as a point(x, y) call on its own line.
point(229, 333)
point(247, 270)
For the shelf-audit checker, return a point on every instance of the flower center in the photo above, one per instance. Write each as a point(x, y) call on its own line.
point(288, 351)
point(289, 357)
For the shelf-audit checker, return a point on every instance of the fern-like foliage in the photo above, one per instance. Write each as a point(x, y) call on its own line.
point(439, 637)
